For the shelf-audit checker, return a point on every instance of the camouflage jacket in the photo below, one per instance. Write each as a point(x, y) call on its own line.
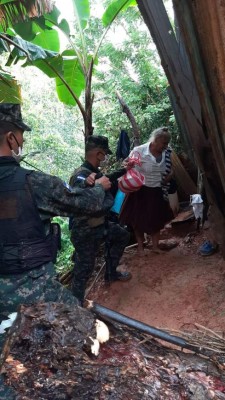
point(76, 181)
point(53, 196)
point(86, 169)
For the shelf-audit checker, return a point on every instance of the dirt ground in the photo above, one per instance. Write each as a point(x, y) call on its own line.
point(173, 290)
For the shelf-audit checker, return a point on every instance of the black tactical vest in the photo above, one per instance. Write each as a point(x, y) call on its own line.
point(23, 243)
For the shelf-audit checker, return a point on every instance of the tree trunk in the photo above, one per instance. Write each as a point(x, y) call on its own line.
point(130, 116)
point(88, 128)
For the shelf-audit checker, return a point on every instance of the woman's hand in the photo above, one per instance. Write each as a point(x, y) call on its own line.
point(128, 164)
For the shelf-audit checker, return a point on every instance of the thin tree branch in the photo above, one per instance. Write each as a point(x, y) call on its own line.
point(130, 116)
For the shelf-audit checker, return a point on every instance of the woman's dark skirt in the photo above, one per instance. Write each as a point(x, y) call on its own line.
point(146, 210)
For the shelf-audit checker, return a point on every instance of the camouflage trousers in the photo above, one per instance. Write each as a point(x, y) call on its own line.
point(38, 285)
point(87, 242)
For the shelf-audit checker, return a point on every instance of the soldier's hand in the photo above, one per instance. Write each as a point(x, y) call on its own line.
point(105, 182)
point(90, 180)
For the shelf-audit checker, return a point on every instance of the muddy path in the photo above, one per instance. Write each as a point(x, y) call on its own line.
point(172, 290)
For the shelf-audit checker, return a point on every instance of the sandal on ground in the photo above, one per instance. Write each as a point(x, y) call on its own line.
point(207, 248)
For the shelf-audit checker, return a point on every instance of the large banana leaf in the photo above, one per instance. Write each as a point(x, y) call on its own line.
point(13, 11)
point(52, 67)
point(24, 49)
point(65, 68)
point(32, 31)
point(26, 30)
point(73, 76)
point(51, 63)
point(115, 7)
point(53, 19)
point(82, 12)
point(48, 40)
point(41, 30)
point(9, 89)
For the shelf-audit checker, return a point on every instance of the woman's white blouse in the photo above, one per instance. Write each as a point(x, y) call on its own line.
point(150, 168)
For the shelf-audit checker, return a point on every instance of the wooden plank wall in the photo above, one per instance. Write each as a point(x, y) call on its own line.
point(189, 97)
point(203, 28)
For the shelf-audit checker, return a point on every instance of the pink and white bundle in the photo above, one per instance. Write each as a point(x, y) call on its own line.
point(133, 180)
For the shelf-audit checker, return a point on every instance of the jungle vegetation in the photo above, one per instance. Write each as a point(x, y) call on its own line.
point(69, 72)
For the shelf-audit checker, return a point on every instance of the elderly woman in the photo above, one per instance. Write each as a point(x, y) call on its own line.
point(148, 210)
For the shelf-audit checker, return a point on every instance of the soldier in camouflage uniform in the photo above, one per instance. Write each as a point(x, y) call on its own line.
point(89, 232)
point(28, 200)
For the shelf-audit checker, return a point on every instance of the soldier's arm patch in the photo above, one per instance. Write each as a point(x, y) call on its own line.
point(67, 186)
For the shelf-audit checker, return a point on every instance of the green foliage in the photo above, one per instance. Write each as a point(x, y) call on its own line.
point(82, 12)
point(37, 33)
point(13, 11)
point(24, 49)
point(56, 143)
point(138, 74)
point(114, 8)
point(9, 88)
point(74, 77)
point(132, 67)
point(64, 262)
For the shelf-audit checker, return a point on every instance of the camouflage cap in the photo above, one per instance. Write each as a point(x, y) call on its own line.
point(12, 113)
point(100, 142)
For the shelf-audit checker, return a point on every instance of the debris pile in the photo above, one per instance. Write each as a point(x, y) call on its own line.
point(48, 355)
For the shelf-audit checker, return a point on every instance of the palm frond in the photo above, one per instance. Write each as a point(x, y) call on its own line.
point(13, 11)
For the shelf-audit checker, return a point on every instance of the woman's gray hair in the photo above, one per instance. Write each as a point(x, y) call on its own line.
point(163, 131)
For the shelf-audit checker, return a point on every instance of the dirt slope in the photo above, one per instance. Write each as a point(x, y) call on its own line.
point(172, 290)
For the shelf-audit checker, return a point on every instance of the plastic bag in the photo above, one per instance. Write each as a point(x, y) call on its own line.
point(197, 205)
point(133, 180)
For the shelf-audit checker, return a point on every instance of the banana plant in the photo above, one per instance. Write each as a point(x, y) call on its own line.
point(12, 12)
point(36, 41)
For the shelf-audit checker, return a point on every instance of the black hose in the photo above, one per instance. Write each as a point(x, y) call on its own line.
point(158, 333)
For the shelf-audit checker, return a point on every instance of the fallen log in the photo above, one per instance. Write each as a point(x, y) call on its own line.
point(47, 356)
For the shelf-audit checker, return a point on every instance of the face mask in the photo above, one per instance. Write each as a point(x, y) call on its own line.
point(17, 156)
point(105, 161)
